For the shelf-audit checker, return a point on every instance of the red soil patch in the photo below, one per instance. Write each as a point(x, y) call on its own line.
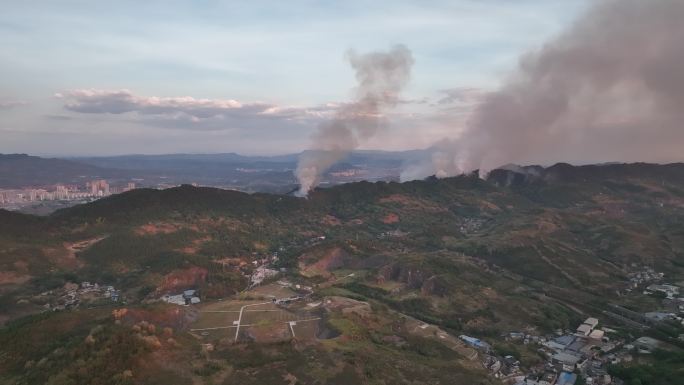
point(546, 226)
point(182, 279)
point(232, 261)
point(156, 228)
point(65, 257)
point(11, 277)
point(390, 218)
point(331, 220)
point(487, 205)
point(331, 260)
point(168, 316)
point(194, 246)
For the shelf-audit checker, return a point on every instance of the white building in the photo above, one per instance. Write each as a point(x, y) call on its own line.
point(593, 322)
point(584, 329)
point(596, 334)
point(174, 299)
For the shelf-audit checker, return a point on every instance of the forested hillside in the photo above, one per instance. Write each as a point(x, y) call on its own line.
point(526, 248)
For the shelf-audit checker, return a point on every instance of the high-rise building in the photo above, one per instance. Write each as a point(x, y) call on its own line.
point(99, 188)
point(61, 192)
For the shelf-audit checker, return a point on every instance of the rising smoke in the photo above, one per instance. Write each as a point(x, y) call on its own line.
point(610, 88)
point(381, 77)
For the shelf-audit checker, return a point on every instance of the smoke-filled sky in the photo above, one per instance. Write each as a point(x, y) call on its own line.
point(610, 87)
point(92, 77)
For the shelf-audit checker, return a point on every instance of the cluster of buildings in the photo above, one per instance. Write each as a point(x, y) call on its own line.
point(260, 274)
point(348, 173)
point(471, 225)
point(672, 306)
point(580, 353)
point(187, 297)
point(642, 276)
point(60, 192)
point(392, 234)
point(570, 356)
point(670, 291)
point(72, 295)
point(588, 329)
point(584, 354)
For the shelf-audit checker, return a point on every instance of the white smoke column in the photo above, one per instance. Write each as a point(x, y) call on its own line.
point(610, 88)
point(381, 77)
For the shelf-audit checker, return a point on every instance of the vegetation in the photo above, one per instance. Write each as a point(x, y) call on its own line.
point(666, 368)
point(473, 256)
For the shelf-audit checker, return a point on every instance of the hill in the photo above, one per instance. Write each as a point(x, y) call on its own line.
point(396, 271)
point(21, 170)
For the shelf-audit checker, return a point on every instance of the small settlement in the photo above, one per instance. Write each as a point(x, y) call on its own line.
point(72, 295)
point(585, 353)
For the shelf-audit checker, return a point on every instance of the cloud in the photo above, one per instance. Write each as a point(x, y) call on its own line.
point(186, 111)
point(9, 104)
point(57, 117)
point(462, 95)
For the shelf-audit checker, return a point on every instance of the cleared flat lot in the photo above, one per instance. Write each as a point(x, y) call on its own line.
point(228, 305)
point(209, 320)
point(306, 329)
point(261, 321)
point(272, 290)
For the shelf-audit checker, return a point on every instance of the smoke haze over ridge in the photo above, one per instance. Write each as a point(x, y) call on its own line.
point(610, 88)
point(381, 77)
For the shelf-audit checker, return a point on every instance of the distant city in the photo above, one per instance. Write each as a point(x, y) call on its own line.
point(38, 185)
point(14, 199)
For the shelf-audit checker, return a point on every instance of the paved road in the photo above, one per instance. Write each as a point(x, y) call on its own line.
point(237, 329)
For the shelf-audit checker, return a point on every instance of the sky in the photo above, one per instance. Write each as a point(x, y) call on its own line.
point(121, 77)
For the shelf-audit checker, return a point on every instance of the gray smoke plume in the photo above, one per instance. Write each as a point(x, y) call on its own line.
point(610, 88)
point(381, 77)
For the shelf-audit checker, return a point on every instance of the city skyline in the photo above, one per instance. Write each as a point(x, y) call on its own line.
point(96, 188)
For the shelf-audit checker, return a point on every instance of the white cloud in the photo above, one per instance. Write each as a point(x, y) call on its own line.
point(188, 112)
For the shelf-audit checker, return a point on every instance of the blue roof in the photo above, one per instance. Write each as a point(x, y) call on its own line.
point(566, 378)
point(564, 340)
point(475, 342)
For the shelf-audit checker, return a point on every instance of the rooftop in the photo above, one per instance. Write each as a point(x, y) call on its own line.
point(591, 321)
point(566, 378)
point(584, 329)
point(566, 358)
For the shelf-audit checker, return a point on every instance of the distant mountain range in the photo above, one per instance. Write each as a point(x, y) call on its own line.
point(247, 173)
point(21, 170)
point(275, 174)
point(198, 162)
